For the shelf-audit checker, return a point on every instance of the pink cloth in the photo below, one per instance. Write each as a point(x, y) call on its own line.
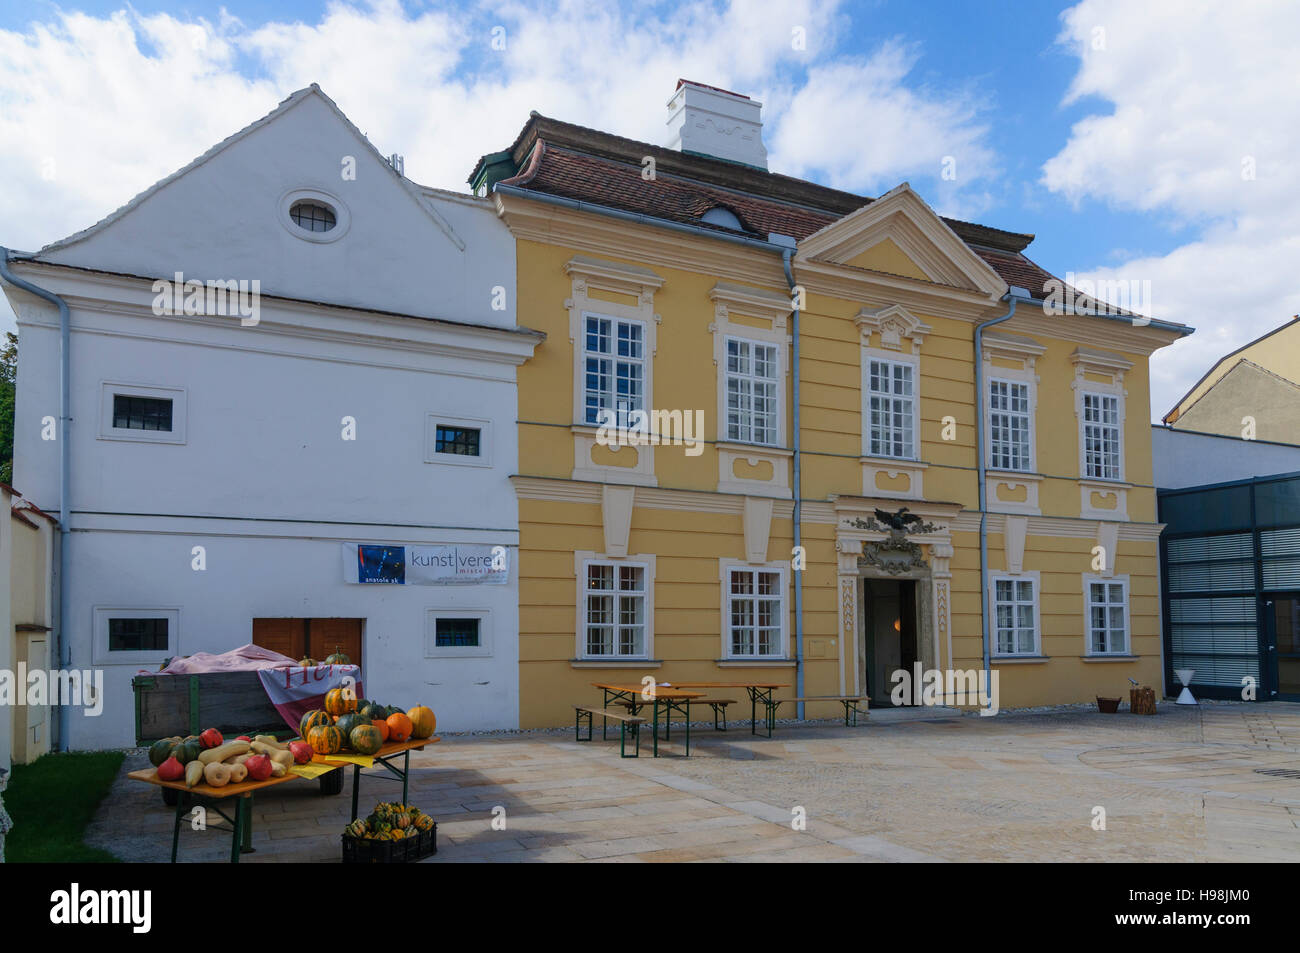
point(291, 688)
point(246, 658)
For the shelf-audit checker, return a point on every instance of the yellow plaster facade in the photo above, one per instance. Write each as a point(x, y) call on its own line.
point(891, 283)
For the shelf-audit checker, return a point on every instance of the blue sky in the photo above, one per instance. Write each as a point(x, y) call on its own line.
point(1094, 125)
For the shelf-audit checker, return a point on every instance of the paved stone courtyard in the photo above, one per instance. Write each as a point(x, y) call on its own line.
point(1186, 785)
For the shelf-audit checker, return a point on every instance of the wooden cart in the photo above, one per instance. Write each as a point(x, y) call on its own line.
point(235, 703)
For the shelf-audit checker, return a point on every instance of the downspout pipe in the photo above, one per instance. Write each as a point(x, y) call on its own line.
point(1013, 295)
point(62, 650)
point(797, 478)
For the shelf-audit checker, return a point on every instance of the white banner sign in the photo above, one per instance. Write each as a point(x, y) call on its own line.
point(448, 564)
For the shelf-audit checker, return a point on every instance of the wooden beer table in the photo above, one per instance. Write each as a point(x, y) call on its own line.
point(673, 698)
point(241, 840)
point(758, 692)
point(384, 757)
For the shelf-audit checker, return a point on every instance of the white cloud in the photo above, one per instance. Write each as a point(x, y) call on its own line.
point(1195, 95)
point(95, 110)
point(861, 123)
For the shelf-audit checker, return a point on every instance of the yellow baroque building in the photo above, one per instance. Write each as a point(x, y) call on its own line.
point(658, 443)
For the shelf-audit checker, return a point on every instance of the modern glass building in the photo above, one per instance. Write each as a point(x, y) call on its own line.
point(1230, 578)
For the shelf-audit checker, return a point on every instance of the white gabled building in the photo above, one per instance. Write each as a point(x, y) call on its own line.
point(223, 470)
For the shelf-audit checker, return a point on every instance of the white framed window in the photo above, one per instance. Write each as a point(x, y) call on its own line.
point(1102, 436)
point(891, 408)
point(1105, 602)
point(615, 611)
point(135, 636)
point(1014, 609)
point(753, 611)
point(613, 368)
point(141, 412)
point(455, 632)
point(1011, 425)
point(752, 378)
point(459, 441)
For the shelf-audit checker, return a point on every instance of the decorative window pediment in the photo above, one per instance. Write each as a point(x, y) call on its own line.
point(1087, 361)
point(891, 324)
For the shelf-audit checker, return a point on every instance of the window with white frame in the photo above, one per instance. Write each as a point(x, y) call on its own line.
point(457, 633)
point(891, 408)
point(1101, 436)
point(614, 610)
point(141, 412)
point(1107, 608)
point(614, 369)
point(135, 636)
point(754, 613)
point(1010, 425)
point(1015, 613)
point(751, 392)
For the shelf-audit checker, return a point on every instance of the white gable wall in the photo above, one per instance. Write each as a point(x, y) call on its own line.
point(221, 220)
point(262, 478)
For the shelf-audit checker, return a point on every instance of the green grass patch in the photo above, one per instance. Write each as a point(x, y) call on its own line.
point(52, 800)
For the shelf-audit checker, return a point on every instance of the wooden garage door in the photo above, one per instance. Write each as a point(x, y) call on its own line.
point(314, 638)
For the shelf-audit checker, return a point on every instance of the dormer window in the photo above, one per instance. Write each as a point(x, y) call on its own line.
point(313, 216)
point(724, 217)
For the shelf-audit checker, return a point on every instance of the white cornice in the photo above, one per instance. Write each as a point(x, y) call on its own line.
point(754, 302)
point(656, 247)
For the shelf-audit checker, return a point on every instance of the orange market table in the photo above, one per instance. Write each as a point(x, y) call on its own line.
point(241, 823)
point(758, 692)
point(384, 757)
point(637, 696)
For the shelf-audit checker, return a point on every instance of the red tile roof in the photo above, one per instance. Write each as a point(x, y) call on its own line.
point(575, 162)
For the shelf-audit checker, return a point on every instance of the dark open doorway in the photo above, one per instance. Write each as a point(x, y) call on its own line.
point(889, 636)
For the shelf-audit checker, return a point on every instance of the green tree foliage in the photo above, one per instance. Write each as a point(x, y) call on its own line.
point(8, 377)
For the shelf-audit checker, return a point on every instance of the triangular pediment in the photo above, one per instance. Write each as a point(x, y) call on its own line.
point(900, 234)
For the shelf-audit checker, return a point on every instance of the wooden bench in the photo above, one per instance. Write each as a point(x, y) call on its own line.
point(719, 706)
point(850, 703)
point(624, 722)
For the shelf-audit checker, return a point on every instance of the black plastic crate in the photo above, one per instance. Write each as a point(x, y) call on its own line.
point(358, 850)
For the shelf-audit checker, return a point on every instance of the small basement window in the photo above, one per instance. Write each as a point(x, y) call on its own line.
point(460, 440)
point(313, 216)
point(137, 635)
point(456, 633)
point(142, 413)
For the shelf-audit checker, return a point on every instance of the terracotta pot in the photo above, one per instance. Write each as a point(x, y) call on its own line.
point(1107, 706)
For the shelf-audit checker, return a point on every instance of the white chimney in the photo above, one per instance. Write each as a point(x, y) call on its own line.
point(713, 122)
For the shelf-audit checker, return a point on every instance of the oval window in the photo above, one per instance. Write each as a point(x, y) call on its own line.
point(313, 216)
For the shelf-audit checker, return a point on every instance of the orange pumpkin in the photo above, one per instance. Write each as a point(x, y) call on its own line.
point(382, 726)
point(399, 727)
point(340, 701)
point(423, 721)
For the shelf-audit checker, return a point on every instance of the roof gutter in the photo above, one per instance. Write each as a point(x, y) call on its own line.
point(1014, 295)
point(62, 648)
point(639, 218)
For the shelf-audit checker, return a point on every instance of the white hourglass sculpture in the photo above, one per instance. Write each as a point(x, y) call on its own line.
point(1185, 676)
